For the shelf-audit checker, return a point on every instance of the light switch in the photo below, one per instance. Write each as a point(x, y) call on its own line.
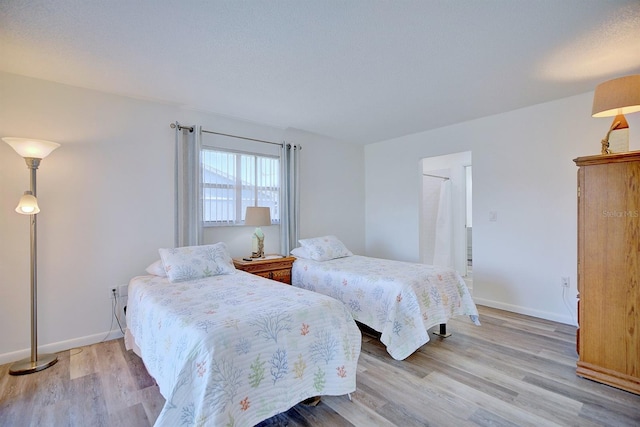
point(493, 216)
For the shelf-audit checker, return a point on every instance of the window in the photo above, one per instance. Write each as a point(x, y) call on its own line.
point(231, 181)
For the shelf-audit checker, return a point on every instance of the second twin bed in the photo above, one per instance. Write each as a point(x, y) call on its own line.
point(400, 300)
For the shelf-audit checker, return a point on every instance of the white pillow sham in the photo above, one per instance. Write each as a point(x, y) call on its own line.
point(324, 248)
point(301, 252)
point(196, 262)
point(156, 269)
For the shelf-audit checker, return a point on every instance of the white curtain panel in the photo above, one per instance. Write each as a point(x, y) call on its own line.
point(290, 197)
point(443, 250)
point(188, 186)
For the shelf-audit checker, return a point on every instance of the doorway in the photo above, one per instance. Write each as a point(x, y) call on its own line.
point(446, 212)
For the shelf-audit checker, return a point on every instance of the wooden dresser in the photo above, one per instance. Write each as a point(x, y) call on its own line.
point(608, 339)
point(275, 268)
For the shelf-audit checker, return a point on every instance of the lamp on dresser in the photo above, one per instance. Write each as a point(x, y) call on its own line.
point(257, 217)
point(33, 151)
point(617, 97)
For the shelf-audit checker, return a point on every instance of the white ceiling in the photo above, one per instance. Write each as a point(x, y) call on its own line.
point(355, 70)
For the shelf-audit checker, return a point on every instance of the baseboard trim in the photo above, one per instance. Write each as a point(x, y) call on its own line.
point(555, 317)
point(61, 346)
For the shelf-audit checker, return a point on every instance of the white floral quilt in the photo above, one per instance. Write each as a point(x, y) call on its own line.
point(236, 349)
point(401, 300)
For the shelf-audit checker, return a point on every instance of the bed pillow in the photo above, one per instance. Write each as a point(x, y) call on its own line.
point(157, 269)
point(325, 248)
point(196, 262)
point(301, 252)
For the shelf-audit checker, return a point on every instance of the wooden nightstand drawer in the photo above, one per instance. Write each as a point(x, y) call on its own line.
point(283, 276)
point(278, 269)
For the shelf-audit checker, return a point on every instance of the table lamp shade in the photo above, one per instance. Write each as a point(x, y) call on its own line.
point(257, 216)
point(617, 96)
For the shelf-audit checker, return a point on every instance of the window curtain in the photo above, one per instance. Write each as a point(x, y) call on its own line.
point(290, 197)
point(188, 186)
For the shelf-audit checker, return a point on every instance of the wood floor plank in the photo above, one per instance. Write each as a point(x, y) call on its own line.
point(319, 415)
point(407, 408)
point(82, 361)
point(485, 418)
point(131, 416)
point(152, 402)
point(52, 414)
point(618, 406)
point(359, 411)
point(87, 403)
point(118, 385)
point(525, 410)
point(136, 368)
point(605, 415)
point(513, 370)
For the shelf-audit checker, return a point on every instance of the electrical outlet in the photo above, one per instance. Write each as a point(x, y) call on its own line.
point(122, 290)
point(564, 280)
point(113, 292)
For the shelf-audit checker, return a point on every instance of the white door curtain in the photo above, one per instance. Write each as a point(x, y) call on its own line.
point(443, 250)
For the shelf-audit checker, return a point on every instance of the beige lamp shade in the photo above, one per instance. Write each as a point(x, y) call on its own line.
point(617, 96)
point(257, 216)
point(28, 204)
point(31, 148)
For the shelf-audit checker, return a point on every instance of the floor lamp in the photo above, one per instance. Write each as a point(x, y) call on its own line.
point(33, 151)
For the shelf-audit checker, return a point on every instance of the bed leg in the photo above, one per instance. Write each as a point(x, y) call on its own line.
point(349, 394)
point(443, 331)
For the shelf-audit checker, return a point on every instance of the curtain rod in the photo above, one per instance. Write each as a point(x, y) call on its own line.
point(436, 176)
point(190, 128)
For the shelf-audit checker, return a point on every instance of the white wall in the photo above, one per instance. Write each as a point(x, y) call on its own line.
point(523, 170)
point(332, 196)
point(107, 203)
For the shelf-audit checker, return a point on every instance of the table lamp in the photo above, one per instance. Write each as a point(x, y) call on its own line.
point(257, 217)
point(617, 97)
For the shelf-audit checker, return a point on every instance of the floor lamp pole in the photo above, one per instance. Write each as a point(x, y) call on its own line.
point(36, 362)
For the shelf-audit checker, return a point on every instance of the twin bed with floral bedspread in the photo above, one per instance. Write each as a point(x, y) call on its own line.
point(230, 348)
point(400, 300)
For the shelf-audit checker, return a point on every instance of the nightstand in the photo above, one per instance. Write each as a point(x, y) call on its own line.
point(274, 267)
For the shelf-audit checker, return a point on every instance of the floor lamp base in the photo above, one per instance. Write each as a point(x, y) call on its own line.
point(27, 366)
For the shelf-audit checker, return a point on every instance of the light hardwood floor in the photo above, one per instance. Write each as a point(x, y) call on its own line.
point(513, 370)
